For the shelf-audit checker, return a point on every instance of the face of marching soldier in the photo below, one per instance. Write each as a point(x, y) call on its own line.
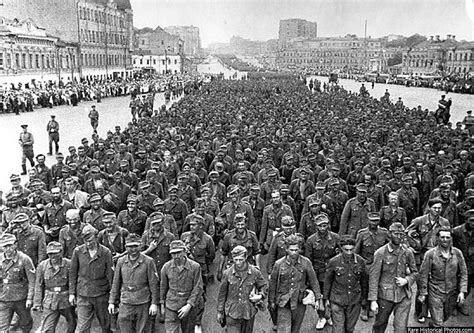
point(444, 239)
point(167, 156)
point(347, 250)
point(194, 227)
point(322, 227)
point(373, 223)
point(239, 261)
point(131, 205)
point(435, 210)
point(109, 224)
point(362, 195)
point(233, 196)
point(178, 257)
point(393, 199)
point(10, 250)
point(293, 251)
point(74, 221)
point(397, 237)
point(55, 257)
point(157, 226)
point(133, 250)
point(56, 194)
point(288, 230)
point(445, 193)
point(95, 205)
point(91, 242)
point(240, 224)
point(276, 198)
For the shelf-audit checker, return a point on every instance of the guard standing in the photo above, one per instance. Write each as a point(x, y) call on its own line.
point(52, 290)
point(53, 134)
point(94, 117)
point(26, 142)
point(135, 285)
point(18, 283)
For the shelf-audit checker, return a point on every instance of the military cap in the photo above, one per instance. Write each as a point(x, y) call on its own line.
point(173, 188)
point(157, 202)
point(407, 176)
point(14, 177)
point(117, 174)
point(447, 179)
point(196, 219)
point(334, 181)
point(386, 163)
point(321, 218)
point(95, 168)
point(213, 173)
point(110, 152)
point(287, 221)
point(36, 182)
point(94, 162)
point(346, 240)
point(242, 176)
point(232, 189)
point(361, 187)
point(219, 165)
point(177, 246)
point(304, 170)
point(24, 126)
point(200, 202)
point(124, 163)
point(320, 186)
point(84, 140)
point(156, 217)
point(397, 226)
point(444, 186)
point(469, 193)
point(71, 148)
point(155, 164)
point(313, 201)
point(7, 239)
point(373, 216)
point(94, 197)
point(144, 184)
point(21, 218)
point(239, 251)
point(14, 195)
point(255, 187)
point(358, 162)
point(336, 167)
point(59, 155)
point(109, 216)
point(469, 213)
point(284, 188)
point(54, 247)
point(133, 240)
point(182, 175)
point(141, 150)
point(407, 159)
point(88, 232)
point(272, 173)
point(239, 216)
point(205, 189)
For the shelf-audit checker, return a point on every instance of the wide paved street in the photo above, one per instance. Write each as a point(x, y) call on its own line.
point(114, 111)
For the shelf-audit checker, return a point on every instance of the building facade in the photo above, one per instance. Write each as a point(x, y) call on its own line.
point(28, 55)
point(190, 36)
point(218, 65)
point(460, 60)
point(327, 54)
point(157, 41)
point(102, 31)
point(296, 28)
point(159, 63)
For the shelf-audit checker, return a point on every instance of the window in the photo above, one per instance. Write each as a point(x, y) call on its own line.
point(1, 60)
point(23, 61)
point(37, 61)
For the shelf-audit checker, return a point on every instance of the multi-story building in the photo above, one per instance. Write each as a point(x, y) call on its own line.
point(326, 54)
point(157, 41)
point(296, 28)
point(101, 30)
point(429, 57)
point(159, 63)
point(28, 55)
point(190, 37)
point(461, 59)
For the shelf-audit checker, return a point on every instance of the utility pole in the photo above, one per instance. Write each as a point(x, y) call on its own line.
point(365, 46)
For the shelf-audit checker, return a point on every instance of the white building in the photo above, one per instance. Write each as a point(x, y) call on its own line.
point(161, 64)
point(216, 65)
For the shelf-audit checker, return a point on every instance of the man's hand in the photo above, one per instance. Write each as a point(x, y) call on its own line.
point(183, 312)
point(152, 246)
point(401, 281)
point(29, 304)
point(461, 298)
point(319, 305)
point(37, 308)
point(421, 298)
point(220, 318)
point(72, 300)
point(271, 306)
point(374, 307)
point(111, 309)
point(153, 310)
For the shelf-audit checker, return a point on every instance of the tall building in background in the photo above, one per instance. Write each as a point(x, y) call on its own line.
point(190, 37)
point(100, 30)
point(297, 28)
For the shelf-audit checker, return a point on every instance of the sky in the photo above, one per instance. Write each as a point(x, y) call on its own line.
point(219, 20)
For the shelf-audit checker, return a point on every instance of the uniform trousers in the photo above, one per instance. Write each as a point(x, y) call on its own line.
point(239, 325)
point(289, 321)
point(344, 317)
point(87, 307)
point(7, 309)
point(441, 307)
point(134, 318)
point(51, 318)
point(400, 315)
point(173, 323)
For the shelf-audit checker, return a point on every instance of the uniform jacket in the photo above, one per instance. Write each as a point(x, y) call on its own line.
point(320, 249)
point(32, 242)
point(94, 218)
point(134, 224)
point(354, 216)
point(70, 239)
point(17, 278)
point(389, 216)
point(229, 210)
point(367, 242)
point(52, 286)
point(55, 215)
point(249, 241)
point(271, 221)
point(161, 254)
point(135, 282)
point(345, 281)
point(201, 249)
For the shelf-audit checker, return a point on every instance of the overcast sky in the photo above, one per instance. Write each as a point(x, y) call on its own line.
point(218, 20)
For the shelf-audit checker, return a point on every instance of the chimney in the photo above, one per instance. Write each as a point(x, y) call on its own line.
point(437, 38)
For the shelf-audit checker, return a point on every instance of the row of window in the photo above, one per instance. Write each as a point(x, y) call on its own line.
point(148, 62)
point(35, 61)
point(459, 69)
point(461, 56)
point(91, 36)
point(100, 17)
point(93, 60)
point(329, 54)
point(322, 60)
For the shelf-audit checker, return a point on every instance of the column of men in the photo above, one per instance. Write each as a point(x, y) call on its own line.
point(93, 239)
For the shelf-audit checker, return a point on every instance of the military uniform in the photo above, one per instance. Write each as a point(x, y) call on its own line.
point(18, 283)
point(55, 217)
point(249, 241)
point(354, 216)
point(271, 222)
point(161, 253)
point(70, 239)
point(229, 210)
point(32, 242)
point(135, 223)
point(52, 295)
point(368, 241)
point(145, 203)
point(94, 218)
point(179, 210)
point(389, 216)
point(344, 285)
